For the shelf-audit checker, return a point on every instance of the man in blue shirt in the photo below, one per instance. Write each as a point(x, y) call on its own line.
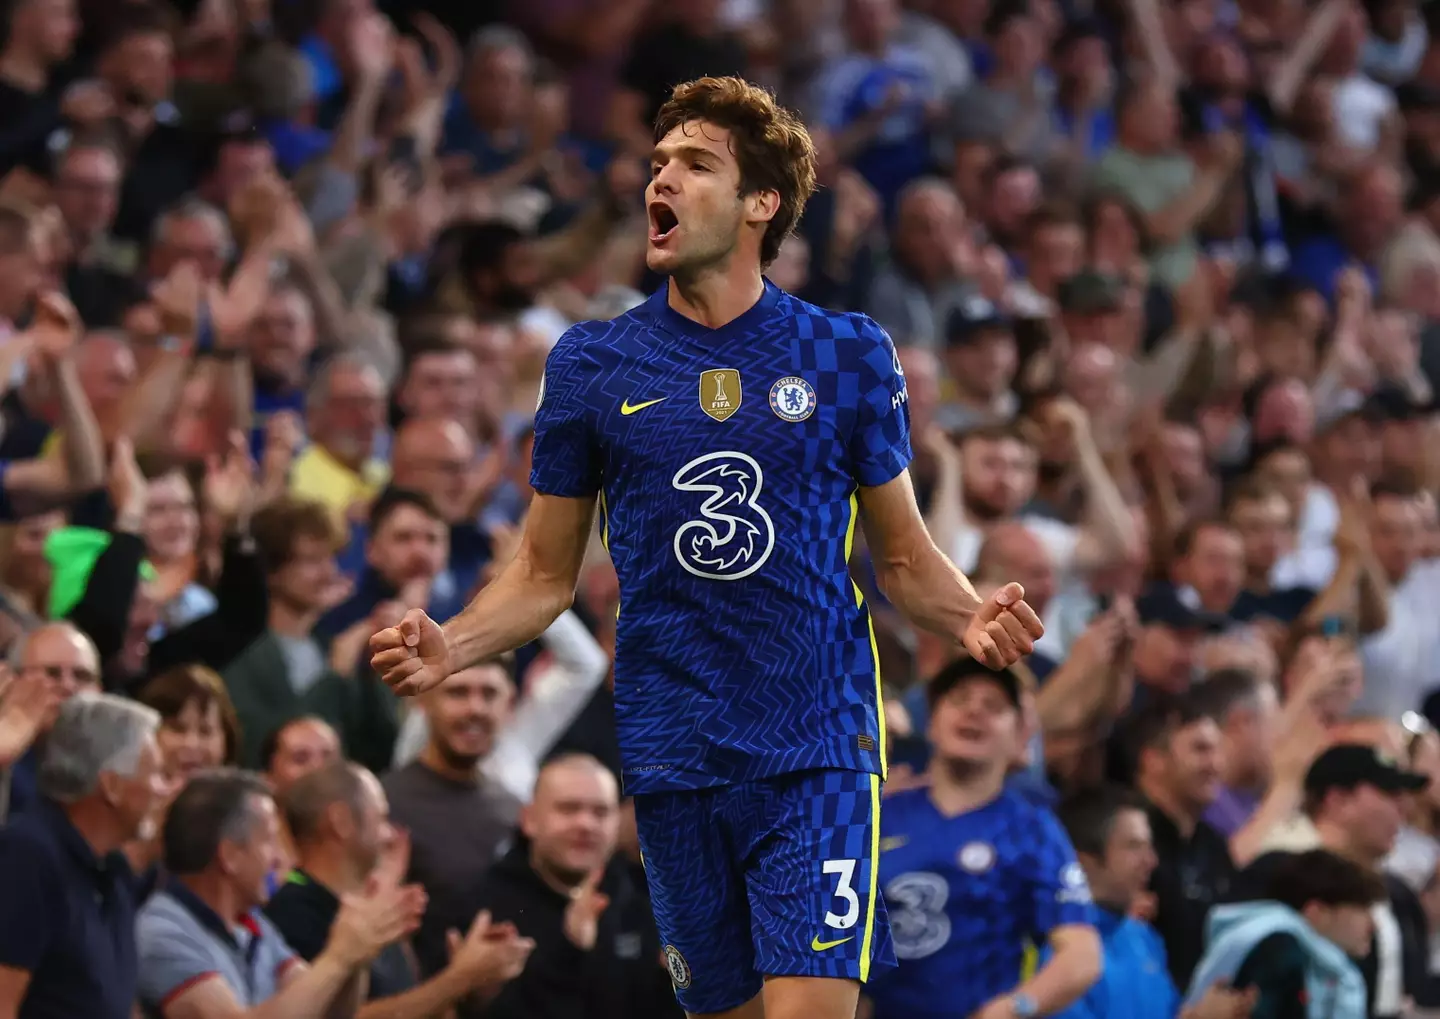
point(977, 877)
point(68, 897)
point(1111, 834)
point(733, 436)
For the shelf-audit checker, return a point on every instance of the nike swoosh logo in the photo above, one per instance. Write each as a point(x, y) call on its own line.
point(820, 946)
point(627, 408)
point(893, 842)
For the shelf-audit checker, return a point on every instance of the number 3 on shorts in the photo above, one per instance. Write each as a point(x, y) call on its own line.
point(845, 891)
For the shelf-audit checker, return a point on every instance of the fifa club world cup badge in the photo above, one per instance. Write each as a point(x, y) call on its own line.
point(720, 392)
point(792, 399)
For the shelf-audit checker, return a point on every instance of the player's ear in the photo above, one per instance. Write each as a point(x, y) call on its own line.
point(762, 205)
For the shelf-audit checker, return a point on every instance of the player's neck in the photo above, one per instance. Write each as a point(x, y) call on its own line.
point(716, 297)
point(957, 787)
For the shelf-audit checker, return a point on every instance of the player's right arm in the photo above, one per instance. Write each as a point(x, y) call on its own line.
point(513, 609)
point(539, 583)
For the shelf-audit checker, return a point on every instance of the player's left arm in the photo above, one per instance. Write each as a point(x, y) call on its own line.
point(1061, 915)
point(915, 575)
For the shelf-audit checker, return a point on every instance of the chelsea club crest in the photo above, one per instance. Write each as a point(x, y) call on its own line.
point(792, 398)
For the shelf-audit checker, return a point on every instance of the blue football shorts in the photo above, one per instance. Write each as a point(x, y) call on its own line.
point(775, 877)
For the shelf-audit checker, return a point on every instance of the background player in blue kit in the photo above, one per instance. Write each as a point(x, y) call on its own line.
point(733, 437)
point(977, 877)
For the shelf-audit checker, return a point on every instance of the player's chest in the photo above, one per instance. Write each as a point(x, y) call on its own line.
point(656, 414)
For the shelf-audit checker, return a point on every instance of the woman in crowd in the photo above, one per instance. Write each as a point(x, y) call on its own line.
point(198, 728)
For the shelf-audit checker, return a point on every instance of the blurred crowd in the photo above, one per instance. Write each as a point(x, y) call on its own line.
point(278, 279)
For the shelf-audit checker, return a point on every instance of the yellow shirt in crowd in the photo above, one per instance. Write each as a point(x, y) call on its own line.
point(318, 475)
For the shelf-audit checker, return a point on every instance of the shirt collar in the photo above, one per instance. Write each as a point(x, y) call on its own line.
point(68, 836)
point(207, 917)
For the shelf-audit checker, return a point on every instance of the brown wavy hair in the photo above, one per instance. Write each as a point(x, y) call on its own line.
point(771, 145)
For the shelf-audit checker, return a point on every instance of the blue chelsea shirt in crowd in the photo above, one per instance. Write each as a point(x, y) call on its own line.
point(970, 897)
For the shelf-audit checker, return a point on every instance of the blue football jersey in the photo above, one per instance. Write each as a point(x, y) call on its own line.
point(727, 463)
point(970, 898)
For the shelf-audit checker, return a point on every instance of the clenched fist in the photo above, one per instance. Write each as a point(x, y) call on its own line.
point(1004, 629)
point(412, 657)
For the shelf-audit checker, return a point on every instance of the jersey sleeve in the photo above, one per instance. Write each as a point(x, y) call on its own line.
point(880, 444)
point(566, 458)
point(1059, 894)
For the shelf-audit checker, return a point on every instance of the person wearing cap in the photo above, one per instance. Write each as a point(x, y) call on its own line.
point(1170, 629)
point(980, 359)
point(1353, 805)
point(973, 872)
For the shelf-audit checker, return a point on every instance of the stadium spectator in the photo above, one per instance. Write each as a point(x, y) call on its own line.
point(596, 950)
point(1293, 949)
point(287, 673)
point(296, 748)
point(1245, 709)
point(406, 548)
point(557, 690)
point(1176, 749)
point(69, 896)
point(1013, 856)
point(344, 410)
point(205, 948)
point(1112, 841)
point(1353, 808)
point(1162, 281)
point(198, 729)
point(459, 818)
point(172, 547)
point(55, 662)
point(339, 820)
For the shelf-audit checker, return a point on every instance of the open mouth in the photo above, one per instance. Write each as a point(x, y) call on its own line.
point(663, 222)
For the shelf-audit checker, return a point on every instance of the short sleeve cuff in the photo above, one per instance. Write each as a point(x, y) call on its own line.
point(562, 488)
point(884, 469)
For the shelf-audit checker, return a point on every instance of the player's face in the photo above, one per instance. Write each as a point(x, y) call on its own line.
point(975, 723)
point(467, 711)
point(693, 200)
